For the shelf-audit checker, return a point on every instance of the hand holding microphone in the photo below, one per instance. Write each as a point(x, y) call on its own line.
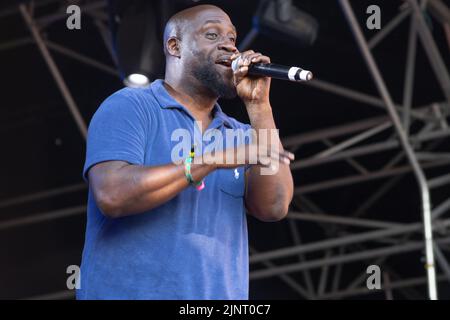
point(255, 90)
point(274, 71)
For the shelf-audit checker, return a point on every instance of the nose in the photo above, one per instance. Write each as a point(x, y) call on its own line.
point(228, 46)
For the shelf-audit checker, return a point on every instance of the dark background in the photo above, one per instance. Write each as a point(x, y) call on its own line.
point(42, 148)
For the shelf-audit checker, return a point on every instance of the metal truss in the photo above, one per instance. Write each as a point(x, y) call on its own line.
point(415, 153)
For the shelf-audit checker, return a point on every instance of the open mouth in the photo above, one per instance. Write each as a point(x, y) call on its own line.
point(224, 62)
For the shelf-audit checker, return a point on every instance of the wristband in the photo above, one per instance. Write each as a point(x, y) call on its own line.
point(200, 185)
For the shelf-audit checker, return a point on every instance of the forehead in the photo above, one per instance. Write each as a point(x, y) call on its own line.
point(212, 16)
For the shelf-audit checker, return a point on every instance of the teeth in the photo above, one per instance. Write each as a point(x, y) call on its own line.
point(224, 61)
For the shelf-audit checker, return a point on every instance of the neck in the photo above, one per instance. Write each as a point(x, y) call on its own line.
point(197, 100)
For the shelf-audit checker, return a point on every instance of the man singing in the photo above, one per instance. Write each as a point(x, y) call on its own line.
point(160, 229)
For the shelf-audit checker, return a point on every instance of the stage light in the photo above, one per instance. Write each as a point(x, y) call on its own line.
point(138, 41)
point(136, 80)
point(282, 20)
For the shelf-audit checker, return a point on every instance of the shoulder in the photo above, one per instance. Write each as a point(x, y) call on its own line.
point(128, 101)
point(132, 96)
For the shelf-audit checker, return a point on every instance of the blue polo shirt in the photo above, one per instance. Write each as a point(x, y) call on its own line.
point(194, 246)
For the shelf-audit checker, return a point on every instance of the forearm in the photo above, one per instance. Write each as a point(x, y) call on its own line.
point(125, 189)
point(268, 196)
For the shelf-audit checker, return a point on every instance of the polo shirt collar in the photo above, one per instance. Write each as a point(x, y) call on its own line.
point(166, 101)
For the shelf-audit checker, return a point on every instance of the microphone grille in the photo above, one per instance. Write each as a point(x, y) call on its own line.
point(235, 64)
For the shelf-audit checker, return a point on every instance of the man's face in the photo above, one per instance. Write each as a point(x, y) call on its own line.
point(211, 42)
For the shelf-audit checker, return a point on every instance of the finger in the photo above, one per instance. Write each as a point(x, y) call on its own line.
point(249, 59)
point(270, 161)
point(235, 55)
point(274, 164)
point(243, 62)
point(264, 161)
point(240, 73)
point(288, 155)
point(260, 59)
point(285, 160)
point(280, 157)
point(244, 55)
point(285, 153)
point(247, 53)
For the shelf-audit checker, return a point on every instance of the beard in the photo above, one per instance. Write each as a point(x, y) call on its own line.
point(206, 73)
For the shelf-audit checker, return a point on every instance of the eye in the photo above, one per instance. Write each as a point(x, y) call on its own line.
point(233, 39)
point(212, 36)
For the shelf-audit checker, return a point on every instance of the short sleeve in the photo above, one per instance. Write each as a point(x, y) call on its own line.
point(117, 132)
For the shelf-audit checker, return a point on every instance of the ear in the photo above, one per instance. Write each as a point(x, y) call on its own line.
point(173, 46)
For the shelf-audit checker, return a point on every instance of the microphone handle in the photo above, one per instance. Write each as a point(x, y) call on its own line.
point(280, 72)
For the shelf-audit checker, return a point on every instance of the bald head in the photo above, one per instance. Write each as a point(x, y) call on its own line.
point(187, 20)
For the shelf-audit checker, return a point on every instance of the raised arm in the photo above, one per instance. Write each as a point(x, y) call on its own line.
point(267, 196)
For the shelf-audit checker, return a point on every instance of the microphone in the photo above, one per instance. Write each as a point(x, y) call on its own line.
point(275, 71)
